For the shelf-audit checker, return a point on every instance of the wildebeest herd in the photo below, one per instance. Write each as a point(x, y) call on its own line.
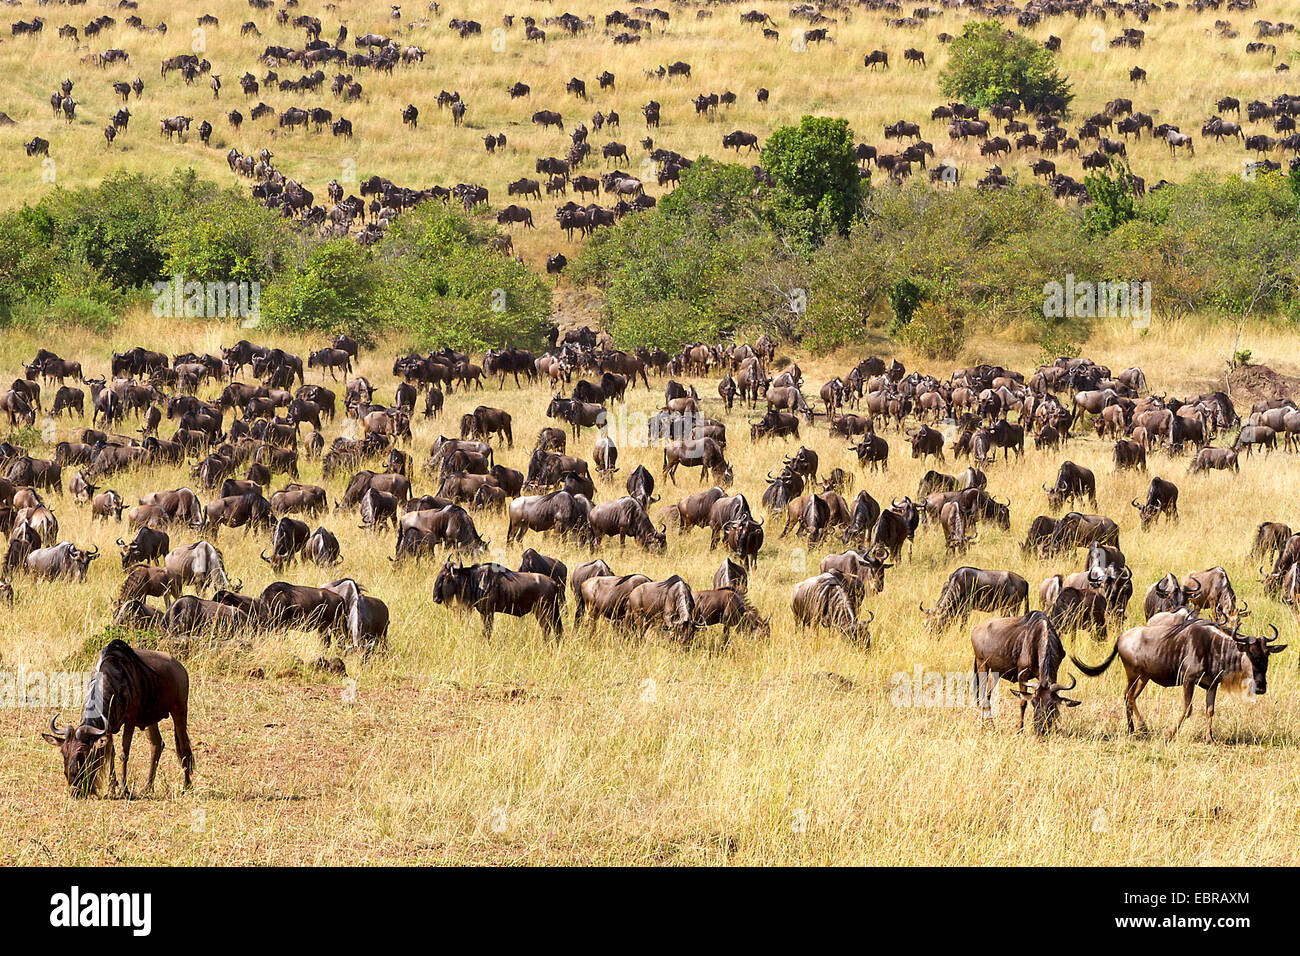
point(314, 71)
point(245, 419)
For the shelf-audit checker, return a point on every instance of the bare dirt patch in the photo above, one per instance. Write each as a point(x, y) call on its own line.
point(1248, 384)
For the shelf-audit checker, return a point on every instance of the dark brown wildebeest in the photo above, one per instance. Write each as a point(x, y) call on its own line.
point(285, 605)
point(148, 545)
point(1221, 459)
point(1177, 648)
point(1162, 499)
point(743, 537)
point(1075, 530)
point(330, 360)
point(142, 581)
point(558, 510)
point(926, 441)
point(1271, 537)
point(287, 541)
point(669, 604)
point(828, 600)
point(863, 515)
point(693, 511)
point(1211, 589)
point(1130, 454)
point(703, 453)
point(491, 589)
point(730, 574)
point(623, 517)
point(973, 589)
point(200, 564)
point(894, 528)
point(867, 568)
point(728, 607)
point(322, 548)
point(1072, 482)
point(1021, 650)
point(129, 689)
point(1167, 594)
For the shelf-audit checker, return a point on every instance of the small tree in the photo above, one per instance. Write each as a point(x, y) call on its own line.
point(813, 163)
point(988, 64)
point(1113, 201)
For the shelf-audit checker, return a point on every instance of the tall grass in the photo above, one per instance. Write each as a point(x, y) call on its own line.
point(606, 749)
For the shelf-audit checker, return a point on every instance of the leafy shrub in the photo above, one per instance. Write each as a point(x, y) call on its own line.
point(935, 331)
point(988, 64)
point(336, 290)
point(814, 164)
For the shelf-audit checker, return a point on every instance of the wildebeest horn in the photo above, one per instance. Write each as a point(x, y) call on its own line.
point(54, 728)
point(1136, 505)
point(1073, 682)
point(264, 557)
point(122, 544)
point(1194, 589)
point(1270, 640)
point(95, 554)
point(870, 619)
point(238, 585)
point(1243, 610)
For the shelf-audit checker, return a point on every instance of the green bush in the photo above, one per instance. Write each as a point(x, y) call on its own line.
point(228, 239)
point(446, 285)
point(679, 273)
point(988, 64)
point(814, 164)
point(336, 290)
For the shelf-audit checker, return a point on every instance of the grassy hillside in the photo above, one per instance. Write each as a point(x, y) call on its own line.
point(1189, 61)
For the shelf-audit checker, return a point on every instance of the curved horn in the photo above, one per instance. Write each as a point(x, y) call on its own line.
point(1270, 640)
point(1136, 505)
point(264, 557)
point(54, 729)
point(1073, 683)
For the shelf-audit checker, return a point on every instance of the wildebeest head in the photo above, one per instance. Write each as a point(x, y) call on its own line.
point(82, 758)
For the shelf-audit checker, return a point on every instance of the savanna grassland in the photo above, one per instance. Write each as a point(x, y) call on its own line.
point(605, 749)
point(1190, 61)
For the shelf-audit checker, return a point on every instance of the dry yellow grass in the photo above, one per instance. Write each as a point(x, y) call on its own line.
point(606, 750)
point(1189, 68)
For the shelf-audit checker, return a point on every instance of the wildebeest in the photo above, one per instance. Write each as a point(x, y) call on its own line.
point(973, 589)
point(826, 600)
point(1073, 482)
point(1162, 499)
point(1022, 650)
point(491, 589)
point(129, 689)
point(1177, 648)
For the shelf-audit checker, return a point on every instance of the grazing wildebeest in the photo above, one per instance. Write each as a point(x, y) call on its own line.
point(1072, 482)
point(973, 589)
point(828, 600)
point(491, 589)
point(129, 689)
point(1021, 650)
point(1162, 499)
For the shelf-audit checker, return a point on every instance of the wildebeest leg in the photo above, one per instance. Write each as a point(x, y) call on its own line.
point(156, 749)
point(112, 764)
point(1189, 691)
point(487, 624)
point(1024, 702)
point(1136, 684)
point(1210, 693)
point(184, 753)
